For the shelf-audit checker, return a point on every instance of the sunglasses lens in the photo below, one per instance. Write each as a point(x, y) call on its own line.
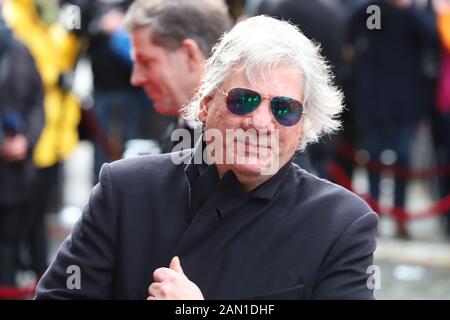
point(242, 101)
point(286, 110)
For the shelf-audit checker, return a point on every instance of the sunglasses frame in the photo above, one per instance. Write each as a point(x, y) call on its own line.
point(263, 97)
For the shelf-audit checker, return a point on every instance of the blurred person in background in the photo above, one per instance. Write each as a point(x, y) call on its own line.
point(22, 119)
point(171, 39)
point(236, 8)
point(388, 84)
point(442, 8)
point(121, 112)
point(314, 18)
point(55, 50)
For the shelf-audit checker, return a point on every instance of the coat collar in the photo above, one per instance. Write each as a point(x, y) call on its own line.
point(229, 181)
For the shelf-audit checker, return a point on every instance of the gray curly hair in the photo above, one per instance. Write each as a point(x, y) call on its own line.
point(257, 46)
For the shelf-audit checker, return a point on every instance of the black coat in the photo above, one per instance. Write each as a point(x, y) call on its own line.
point(21, 93)
point(294, 237)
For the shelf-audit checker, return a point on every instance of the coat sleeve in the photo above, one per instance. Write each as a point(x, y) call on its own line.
point(35, 101)
point(344, 273)
point(85, 263)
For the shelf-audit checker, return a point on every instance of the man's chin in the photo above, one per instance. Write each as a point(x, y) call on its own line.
point(255, 167)
point(164, 109)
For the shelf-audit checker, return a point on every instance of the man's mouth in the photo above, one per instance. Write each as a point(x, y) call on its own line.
point(252, 143)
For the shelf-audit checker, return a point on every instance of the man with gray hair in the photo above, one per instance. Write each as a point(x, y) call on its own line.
point(171, 39)
point(225, 229)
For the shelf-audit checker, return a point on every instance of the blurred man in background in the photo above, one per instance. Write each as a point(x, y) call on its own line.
point(120, 111)
point(171, 39)
point(22, 119)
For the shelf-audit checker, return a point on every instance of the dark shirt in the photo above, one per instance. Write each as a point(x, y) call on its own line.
point(293, 237)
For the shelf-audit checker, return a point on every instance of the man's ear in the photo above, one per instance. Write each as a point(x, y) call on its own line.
point(193, 54)
point(204, 108)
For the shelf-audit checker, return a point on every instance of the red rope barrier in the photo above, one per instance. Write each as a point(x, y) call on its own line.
point(98, 135)
point(347, 152)
point(17, 293)
point(439, 208)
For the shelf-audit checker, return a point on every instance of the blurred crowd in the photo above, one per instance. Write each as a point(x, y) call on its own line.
point(394, 70)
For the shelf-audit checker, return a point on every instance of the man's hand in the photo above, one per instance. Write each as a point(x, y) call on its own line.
point(172, 284)
point(14, 148)
point(112, 21)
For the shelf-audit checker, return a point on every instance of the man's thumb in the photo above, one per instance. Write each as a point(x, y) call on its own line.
point(176, 265)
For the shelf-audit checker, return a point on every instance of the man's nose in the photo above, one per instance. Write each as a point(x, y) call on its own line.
point(262, 117)
point(137, 76)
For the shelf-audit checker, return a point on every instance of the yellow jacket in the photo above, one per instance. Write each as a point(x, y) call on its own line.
point(443, 22)
point(55, 51)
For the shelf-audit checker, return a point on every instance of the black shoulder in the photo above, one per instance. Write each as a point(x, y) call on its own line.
point(331, 202)
point(144, 168)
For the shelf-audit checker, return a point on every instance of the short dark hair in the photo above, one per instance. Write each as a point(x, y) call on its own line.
point(173, 21)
